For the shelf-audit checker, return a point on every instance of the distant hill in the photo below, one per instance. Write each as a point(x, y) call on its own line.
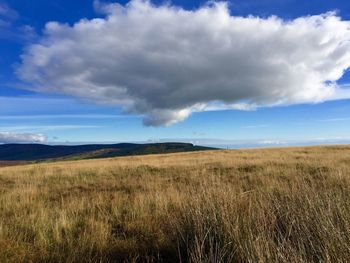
point(35, 152)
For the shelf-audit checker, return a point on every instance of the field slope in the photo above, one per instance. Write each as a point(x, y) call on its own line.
point(266, 205)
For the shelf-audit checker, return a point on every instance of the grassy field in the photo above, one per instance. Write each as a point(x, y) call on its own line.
point(267, 205)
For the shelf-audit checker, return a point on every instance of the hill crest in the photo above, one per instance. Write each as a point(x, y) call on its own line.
point(36, 152)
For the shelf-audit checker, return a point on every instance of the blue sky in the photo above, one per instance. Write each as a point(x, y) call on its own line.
point(77, 116)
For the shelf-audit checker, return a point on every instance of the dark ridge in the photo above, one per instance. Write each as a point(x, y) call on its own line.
point(34, 152)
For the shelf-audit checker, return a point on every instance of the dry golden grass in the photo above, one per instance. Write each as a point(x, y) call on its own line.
point(269, 205)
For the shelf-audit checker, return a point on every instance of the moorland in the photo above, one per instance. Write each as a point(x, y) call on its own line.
point(261, 205)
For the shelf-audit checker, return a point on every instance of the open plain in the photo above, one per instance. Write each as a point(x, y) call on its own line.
point(262, 205)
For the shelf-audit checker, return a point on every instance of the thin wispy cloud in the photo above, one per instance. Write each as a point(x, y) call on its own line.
point(10, 30)
point(258, 143)
point(335, 119)
point(48, 127)
point(12, 137)
point(255, 126)
point(66, 116)
point(7, 13)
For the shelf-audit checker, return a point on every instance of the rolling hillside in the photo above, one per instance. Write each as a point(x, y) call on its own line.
point(35, 152)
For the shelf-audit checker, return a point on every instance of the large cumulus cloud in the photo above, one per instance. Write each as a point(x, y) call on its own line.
point(165, 62)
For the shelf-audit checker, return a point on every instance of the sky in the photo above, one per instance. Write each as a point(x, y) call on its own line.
point(244, 73)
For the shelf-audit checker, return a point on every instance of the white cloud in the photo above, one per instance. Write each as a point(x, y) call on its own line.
point(165, 62)
point(272, 142)
point(11, 137)
point(36, 128)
